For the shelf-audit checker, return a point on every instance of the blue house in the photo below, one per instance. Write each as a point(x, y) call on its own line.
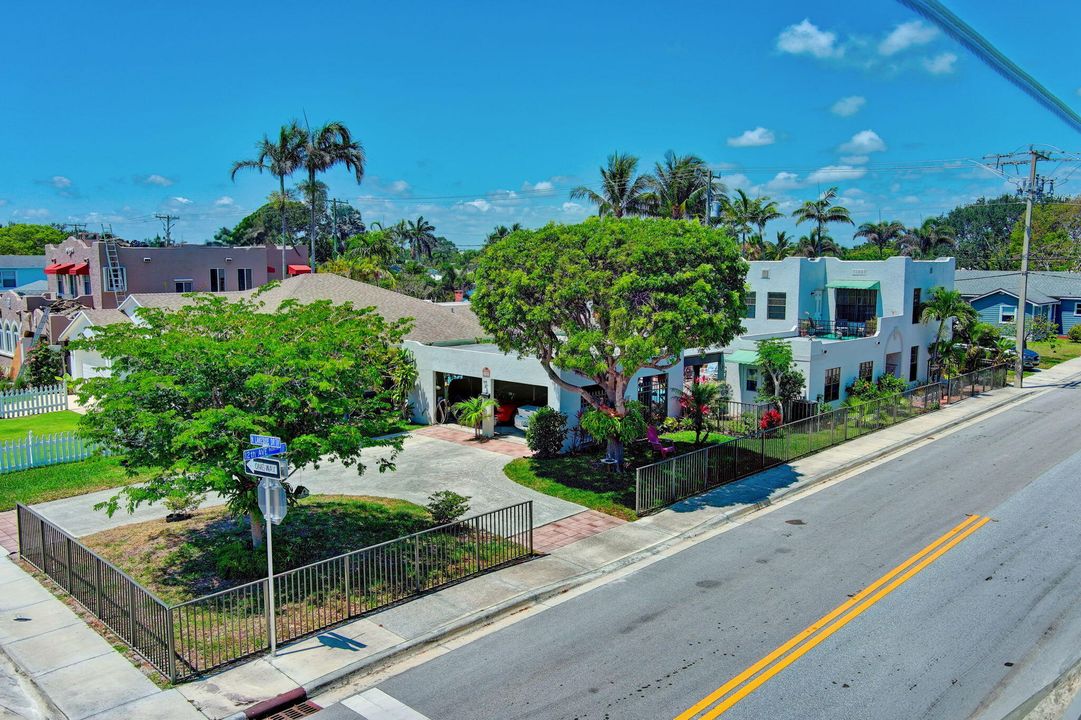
point(994, 294)
point(19, 270)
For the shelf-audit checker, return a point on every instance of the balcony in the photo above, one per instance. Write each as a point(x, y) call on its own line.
point(837, 329)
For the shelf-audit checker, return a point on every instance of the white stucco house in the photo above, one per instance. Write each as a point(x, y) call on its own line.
point(843, 319)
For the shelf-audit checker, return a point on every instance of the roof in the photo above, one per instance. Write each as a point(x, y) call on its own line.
point(1043, 287)
point(91, 317)
point(742, 357)
point(853, 284)
point(432, 323)
point(33, 288)
point(22, 261)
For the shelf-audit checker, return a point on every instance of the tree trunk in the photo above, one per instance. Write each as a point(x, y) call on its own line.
point(311, 228)
point(281, 180)
point(258, 532)
point(615, 451)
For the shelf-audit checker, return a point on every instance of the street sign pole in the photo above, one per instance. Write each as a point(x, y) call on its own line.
point(272, 625)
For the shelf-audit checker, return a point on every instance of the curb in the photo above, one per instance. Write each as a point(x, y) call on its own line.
point(527, 599)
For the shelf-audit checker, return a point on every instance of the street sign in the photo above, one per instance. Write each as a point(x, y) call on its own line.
point(271, 467)
point(264, 451)
point(272, 500)
point(265, 440)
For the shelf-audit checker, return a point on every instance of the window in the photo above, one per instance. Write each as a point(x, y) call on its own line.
point(7, 279)
point(775, 304)
point(752, 379)
point(87, 290)
point(116, 279)
point(914, 363)
point(1077, 308)
point(752, 298)
point(217, 279)
point(243, 279)
point(916, 293)
point(182, 286)
point(833, 385)
point(867, 370)
point(1007, 314)
point(855, 305)
point(653, 394)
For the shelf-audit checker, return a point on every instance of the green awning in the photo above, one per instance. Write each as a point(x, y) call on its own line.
point(743, 357)
point(853, 284)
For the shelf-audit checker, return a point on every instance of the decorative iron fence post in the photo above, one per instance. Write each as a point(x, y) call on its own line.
point(531, 526)
point(67, 563)
point(416, 563)
point(170, 643)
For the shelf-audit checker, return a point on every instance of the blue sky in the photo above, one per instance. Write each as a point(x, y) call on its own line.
point(485, 113)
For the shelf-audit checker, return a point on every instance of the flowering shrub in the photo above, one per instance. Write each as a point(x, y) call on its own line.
point(770, 419)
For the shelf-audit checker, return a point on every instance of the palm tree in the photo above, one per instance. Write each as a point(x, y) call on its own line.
point(822, 212)
point(764, 211)
point(472, 411)
point(739, 213)
point(678, 187)
point(781, 248)
point(315, 193)
point(941, 307)
point(621, 192)
point(421, 236)
point(500, 232)
point(281, 159)
point(325, 148)
point(696, 401)
point(928, 238)
point(380, 246)
point(881, 234)
point(817, 244)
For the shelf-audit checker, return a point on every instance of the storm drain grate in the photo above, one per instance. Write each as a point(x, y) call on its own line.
point(301, 710)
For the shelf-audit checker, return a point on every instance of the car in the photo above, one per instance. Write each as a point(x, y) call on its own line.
point(521, 418)
point(1030, 359)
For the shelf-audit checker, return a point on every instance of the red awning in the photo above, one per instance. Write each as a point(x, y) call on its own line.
point(271, 269)
point(58, 268)
point(80, 269)
point(299, 269)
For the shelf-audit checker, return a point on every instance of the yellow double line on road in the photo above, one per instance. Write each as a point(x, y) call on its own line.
point(756, 675)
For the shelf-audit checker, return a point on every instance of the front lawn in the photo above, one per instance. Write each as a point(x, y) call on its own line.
point(211, 551)
point(686, 437)
point(17, 428)
point(1063, 350)
point(53, 482)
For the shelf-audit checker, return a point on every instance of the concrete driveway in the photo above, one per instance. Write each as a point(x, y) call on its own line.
point(424, 466)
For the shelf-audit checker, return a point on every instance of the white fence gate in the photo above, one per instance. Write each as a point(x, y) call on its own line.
point(46, 449)
point(33, 401)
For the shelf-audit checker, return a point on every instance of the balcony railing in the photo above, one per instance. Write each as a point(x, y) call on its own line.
point(837, 329)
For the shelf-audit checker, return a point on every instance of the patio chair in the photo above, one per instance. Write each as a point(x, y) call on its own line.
point(657, 445)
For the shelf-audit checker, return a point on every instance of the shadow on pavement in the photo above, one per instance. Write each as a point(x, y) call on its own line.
point(748, 491)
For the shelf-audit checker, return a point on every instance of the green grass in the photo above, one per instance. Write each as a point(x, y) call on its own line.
point(1063, 350)
point(576, 479)
point(687, 437)
point(17, 428)
point(54, 482)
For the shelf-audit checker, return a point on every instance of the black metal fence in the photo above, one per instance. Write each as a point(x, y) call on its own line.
point(188, 639)
point(663, 483)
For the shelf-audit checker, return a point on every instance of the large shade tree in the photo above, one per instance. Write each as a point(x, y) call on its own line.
point(609, 297)
point(188, 387)
point(29, 239)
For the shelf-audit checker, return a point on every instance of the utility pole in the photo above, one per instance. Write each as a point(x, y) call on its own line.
point(707, 219)
point(167, 223)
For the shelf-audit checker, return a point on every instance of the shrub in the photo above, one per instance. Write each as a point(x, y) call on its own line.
point(601, 424)
point(236, 560)
point(181, 504)
point(770, 419)
point(547, 432)
point(1075, 333)
point(446, 506)
point(43, 366)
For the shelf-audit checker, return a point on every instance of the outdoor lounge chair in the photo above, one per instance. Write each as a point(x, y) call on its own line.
point(657, 445)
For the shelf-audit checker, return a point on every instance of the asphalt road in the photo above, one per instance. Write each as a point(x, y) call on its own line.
point(973, 634)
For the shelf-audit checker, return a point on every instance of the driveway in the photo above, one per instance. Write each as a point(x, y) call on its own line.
point(425, 465)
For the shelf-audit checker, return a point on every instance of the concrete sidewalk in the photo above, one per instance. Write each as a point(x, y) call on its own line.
point(433, 622)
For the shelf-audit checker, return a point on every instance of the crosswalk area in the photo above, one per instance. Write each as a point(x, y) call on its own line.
point(373, 704)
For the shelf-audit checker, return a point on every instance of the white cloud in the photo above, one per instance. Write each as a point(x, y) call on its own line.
point(182, 200)
point(942, 64)
point(836, 173)
point(848, 106)
point(399, 186)
point(854, 159)
point(542, 186)
point(910, 199)
point(502, 195)
point(783, 181)
point(806, 38)
point(479, 204)
point(31, 213)
point(572, 207)
point(60, 182)
point(864, 142)
point(735, 180)
point(224, 201)
point(905, 36)
point(753, 138)
point(159, 180)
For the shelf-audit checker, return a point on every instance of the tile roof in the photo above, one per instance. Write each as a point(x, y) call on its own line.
point(105, 317)
point(431, 322)
point(1043, 287)
point(22, 261)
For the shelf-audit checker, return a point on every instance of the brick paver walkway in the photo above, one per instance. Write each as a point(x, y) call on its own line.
point(9, 536)
point(465, 437)
point(571, 529)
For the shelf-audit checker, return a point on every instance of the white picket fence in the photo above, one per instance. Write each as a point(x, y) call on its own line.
point(45, 449)
point(33, 401)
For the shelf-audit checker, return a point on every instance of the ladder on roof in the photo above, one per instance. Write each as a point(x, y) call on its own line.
point(116, 280)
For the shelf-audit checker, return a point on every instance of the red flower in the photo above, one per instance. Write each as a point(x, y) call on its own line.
point(770, 419)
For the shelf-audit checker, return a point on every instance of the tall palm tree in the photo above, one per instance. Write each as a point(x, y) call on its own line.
point(941, 307)
point(781, 248)
point(380, 246)
point(930, 237)
point(281, 158)
point(817, 244)
point(822, 212)
point(678, 187)
point(421, 236)
point(739, 214)
point(621, 192)
point(324, 148)
point(500, 232)
point(764, 211)
point(881, 234)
